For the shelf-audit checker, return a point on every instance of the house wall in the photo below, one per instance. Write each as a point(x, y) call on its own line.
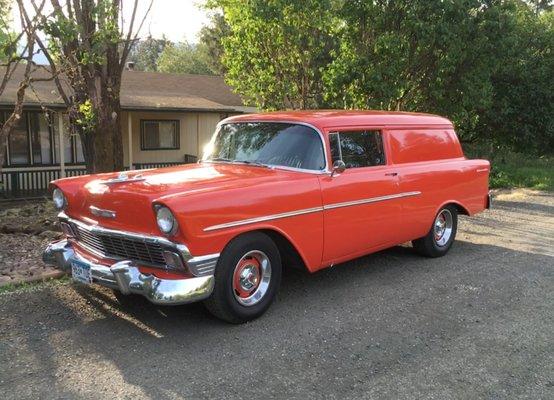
point(196, 129)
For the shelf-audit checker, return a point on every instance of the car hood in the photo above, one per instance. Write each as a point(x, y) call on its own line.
point(130, 195)
point(166, 182)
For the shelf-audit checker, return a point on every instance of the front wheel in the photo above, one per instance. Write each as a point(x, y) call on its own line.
point(440, 237)
point(247, 277)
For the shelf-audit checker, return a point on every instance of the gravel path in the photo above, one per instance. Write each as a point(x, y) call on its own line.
point(477, 323)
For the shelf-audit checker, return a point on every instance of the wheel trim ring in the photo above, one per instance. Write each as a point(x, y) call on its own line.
point(255, 295)
point(443, 227)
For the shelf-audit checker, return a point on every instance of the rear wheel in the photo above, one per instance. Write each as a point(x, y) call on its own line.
point(247, 277)
point(440, 237)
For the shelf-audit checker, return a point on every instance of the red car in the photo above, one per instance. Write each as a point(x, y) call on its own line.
point(312, 188)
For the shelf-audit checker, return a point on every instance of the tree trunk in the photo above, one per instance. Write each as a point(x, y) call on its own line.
point(108, 143)
point(102, 143)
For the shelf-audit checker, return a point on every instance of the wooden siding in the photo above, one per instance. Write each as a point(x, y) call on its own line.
point(196, 130)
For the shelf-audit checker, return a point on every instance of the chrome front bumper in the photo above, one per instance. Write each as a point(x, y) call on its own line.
point(126, 277)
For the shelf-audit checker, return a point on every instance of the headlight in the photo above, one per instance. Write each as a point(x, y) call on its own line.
point(165, 219)
point(59, 199)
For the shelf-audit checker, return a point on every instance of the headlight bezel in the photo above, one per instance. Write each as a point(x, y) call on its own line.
point(59, 199)
point(166, 221)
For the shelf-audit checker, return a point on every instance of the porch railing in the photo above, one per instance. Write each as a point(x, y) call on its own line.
point(27, 183)
point(33, 182)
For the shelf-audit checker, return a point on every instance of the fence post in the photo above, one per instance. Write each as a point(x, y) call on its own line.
point(15, 183)
point(62, 146)
point(130, 133)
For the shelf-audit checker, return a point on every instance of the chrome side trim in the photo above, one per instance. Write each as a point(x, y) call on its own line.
point(309, 210)
point(99, 212)
point(370, 200)
point(262, 219)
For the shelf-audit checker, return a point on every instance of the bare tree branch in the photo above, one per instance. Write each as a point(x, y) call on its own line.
point(129, 42)
point(53, 69)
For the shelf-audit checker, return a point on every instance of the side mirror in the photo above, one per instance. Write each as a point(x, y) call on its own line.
point(338, 168)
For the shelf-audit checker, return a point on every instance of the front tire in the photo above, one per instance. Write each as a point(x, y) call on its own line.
point(247, 277)
point(440, 237)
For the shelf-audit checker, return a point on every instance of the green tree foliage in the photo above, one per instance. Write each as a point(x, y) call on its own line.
point(211, 41)
point(521, 113)
point(8, 38)
point(184, 58)
point(415, 55)
point(145, 53)
point(277, 50)
point(485, 64)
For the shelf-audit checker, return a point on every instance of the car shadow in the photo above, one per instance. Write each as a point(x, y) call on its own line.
point(382, 298)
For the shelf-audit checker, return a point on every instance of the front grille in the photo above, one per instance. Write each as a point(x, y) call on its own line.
point(114, 246)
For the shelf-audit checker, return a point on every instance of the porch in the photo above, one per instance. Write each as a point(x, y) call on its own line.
point(28, 183)
point(151, 139)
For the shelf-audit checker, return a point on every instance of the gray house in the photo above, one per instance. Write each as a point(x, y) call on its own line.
point(166, 119)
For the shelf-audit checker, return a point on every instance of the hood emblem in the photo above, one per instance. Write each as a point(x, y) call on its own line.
point(99, 212)
point(124, 177)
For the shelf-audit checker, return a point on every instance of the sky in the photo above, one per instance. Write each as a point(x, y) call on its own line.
point(177, 19)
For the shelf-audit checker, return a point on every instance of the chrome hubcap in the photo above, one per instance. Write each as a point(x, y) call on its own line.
point(251, 278)
point(442, 227)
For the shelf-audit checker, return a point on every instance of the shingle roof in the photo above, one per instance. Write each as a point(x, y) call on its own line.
point(143, 91)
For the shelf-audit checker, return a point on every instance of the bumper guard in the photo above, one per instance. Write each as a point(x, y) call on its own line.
point(126, 277)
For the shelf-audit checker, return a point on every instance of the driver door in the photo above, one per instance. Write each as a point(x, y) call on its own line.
point(360, 211)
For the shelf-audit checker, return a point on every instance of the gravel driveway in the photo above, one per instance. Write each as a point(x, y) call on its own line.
point(478, 323)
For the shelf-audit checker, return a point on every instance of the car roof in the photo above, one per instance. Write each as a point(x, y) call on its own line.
point(323, 119)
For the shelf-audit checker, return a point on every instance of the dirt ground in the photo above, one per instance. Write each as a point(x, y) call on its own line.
point(26, 227)
point(475, 324)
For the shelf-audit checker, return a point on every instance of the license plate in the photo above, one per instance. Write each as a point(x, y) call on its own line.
point(80, 271)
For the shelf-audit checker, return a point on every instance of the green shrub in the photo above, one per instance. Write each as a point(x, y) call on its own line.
point(509, 169)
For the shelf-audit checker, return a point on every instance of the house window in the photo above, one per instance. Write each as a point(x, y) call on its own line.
point(159, 134)
point(18, 143)
point(358, 149)
point(40, 138)
point(73, 151)
point(35, 141)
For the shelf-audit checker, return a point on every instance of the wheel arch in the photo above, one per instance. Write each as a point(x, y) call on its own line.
point(290, 255)
point(462, 210)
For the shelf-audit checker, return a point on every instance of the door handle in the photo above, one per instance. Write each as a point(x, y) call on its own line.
point(391, 174)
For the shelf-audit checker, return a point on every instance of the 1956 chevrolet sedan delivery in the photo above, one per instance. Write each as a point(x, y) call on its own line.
point(288, 188)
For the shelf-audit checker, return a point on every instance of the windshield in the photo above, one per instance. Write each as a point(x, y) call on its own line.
point(268, 143)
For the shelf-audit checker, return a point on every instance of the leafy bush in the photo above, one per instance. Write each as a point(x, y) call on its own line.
point(511, 169)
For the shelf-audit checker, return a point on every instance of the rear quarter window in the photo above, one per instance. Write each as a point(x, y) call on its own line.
point(412, 145)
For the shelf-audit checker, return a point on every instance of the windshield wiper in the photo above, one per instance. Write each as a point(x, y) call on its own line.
point(255, 163)
point(247, 162)
point(220, 159)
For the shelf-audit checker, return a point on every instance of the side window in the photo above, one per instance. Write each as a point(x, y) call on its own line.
point(335, 147)
point(358, 149)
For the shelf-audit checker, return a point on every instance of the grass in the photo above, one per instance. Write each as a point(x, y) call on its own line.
point(516, 170)
point(519, 171)
point(32, 286)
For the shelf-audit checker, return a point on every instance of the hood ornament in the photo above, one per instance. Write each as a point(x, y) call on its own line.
point(124, 177)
